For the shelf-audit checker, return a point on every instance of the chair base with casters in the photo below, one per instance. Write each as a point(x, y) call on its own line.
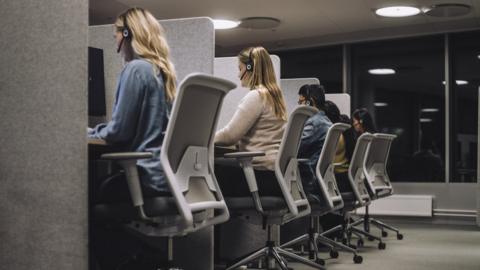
point(313, 237)
point(271, 252)
point(367, 220)
point(348, 228)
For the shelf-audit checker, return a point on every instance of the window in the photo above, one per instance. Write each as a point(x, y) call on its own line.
point(409, 103)
point(465, 83)
point(324, 63)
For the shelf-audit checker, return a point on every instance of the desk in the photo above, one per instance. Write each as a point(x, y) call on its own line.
point(96, 142)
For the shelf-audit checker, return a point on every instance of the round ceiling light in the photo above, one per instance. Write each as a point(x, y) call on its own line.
point(397, 11)
point(381, 71)
point(224, 24)
point(447, 10)
point(260, 23)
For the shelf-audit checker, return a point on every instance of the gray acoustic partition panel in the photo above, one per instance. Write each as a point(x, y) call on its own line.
point(227, 68)
point(478, 161)
point(192, 47)
point(290, 89)
point(43, 152)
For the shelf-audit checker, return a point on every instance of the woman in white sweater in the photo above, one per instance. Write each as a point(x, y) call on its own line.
point(257, 125)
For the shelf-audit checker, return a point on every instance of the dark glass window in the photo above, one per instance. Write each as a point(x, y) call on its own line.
point(409, 103)
point(324, 63)
point(465, 57)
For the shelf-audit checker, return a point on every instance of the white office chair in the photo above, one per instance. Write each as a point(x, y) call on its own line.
point(331, 199)
point(186, 156)
point(275, 211)
point(377, 179)
point(359, 195)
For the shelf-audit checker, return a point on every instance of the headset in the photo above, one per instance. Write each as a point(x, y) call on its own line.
point(248, 64)
point(126, 33)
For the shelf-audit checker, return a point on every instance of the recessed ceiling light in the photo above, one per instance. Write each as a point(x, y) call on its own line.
point(429, 110)
point(224, 24)
point(381, 71)
point(478, 56)
point(425, 120)
point(458, 82)
point(397, 11)
point(380, 104)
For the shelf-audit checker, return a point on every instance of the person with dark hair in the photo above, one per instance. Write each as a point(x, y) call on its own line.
point(313, 136)
point(342, 160)
point(362, 121)
point(349, 136)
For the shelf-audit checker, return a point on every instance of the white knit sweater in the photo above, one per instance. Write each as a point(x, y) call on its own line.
point(255, 127)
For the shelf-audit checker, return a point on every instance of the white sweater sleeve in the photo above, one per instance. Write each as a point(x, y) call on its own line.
point(247, 113)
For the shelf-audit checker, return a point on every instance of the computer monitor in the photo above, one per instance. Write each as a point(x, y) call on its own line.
point(96, 83)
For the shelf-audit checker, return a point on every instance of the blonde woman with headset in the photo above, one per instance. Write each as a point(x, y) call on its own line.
point(257, 125)
point(145, 92)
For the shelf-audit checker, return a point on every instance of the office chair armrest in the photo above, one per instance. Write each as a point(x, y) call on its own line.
point(128, 161)
point(245, 161)
point(239, 155)
point(127, 155)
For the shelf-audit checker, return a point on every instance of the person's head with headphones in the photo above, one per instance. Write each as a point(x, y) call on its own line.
point(312, 95)
point(139, 34)
point(256, 72)
point(362, 121)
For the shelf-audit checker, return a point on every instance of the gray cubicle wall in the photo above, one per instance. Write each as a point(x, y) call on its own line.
point(478, 161)
point(43, 153)
point(227, 68)
point(290, 89)
point(192, 47)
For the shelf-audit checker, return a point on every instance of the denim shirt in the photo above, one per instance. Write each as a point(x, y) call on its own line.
point(139, 119)
point(313, 137)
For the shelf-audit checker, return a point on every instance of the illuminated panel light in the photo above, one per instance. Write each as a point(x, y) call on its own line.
point(380, 104)
point(425, 120)
point(381, 71)
point(458, 82)
point(224, 24)
point(429, 110)
point(397, 11)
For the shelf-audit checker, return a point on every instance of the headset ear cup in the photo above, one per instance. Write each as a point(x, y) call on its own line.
point(307, 103)
point(125, 33)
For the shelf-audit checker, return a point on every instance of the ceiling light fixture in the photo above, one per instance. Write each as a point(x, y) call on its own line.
point(380, 104)
point(381, 71)
point(458, 82)
point(224, 24)
point(429, 110)
point(397, 11)
point(425, 120)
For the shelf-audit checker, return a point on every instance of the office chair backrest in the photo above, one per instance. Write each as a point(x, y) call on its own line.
point(375, 166)
point(286, 164)
point(355, 170)
point(187, 151)
point(325, 167)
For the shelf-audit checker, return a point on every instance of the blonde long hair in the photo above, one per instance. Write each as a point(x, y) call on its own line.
point(263, 74)
point(148, 41)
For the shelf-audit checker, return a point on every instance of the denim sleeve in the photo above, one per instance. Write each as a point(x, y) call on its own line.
point(307, 138)
point(126, 110)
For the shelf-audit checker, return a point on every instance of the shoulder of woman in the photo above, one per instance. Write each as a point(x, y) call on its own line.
point(141, 65)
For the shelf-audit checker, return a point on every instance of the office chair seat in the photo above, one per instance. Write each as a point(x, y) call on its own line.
point(154, 207)
point(269, 203)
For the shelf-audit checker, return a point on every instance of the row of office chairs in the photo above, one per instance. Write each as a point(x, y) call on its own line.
point(197, 202)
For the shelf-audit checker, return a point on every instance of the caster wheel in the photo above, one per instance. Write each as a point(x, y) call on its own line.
point(344, 241)
point(352, 246)
point(357, 259)
point(382, 245)
point(333, 254)
point(384, 234)
point(360, 243)
point(399, 236)
point(370, 238)
point(320, 261)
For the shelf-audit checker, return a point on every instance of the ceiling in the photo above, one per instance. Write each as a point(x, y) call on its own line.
point(304, 23)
